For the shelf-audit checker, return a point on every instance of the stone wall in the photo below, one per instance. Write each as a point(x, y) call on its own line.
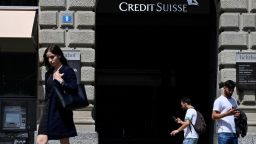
point(237, 32)
point(237, 25)
point(78, 34)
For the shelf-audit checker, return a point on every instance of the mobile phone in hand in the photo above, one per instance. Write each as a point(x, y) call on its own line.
point(174, 118)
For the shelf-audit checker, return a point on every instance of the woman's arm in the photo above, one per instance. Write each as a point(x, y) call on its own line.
point(68, 79)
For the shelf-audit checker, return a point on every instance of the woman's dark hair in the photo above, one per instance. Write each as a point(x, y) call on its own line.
point(55, 49)
point(186, 100)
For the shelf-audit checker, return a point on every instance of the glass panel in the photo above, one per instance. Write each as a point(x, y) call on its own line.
point(18, 74)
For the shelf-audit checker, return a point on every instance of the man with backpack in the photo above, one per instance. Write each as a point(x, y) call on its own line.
point(190, 135)
point(224, 112)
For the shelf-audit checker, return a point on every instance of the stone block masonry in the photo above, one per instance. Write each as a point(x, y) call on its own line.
point(237, 26)
point(69, 24)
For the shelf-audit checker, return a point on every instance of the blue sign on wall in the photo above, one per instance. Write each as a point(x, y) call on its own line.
point(67, 19)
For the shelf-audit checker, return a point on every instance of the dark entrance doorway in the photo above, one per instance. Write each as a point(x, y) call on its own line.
point(144, 64)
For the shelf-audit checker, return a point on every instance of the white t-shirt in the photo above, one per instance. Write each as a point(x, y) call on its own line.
point(191, 116)
point(223, 104)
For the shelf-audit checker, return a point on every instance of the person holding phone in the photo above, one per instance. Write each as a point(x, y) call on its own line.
point(224, 112)
point(190, 135)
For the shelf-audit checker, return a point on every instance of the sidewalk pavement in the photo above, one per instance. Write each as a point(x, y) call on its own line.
point(86, 135)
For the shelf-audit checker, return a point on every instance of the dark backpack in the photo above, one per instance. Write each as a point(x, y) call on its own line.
point(200, 125)
point(241, 124)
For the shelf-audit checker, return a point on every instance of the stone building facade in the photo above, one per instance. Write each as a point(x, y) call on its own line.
point(77, 34)
point(237, 25)
point(236, 33)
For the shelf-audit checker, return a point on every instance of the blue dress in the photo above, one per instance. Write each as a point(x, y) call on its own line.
point(57, 122)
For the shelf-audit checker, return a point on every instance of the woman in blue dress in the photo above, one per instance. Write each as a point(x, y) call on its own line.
point(56, 123)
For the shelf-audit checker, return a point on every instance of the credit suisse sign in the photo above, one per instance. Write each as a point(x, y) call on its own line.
point(155, 6)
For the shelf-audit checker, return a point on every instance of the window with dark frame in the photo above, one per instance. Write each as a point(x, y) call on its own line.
point(18, 2)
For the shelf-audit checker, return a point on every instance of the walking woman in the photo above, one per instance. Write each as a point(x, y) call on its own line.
point(56, 123)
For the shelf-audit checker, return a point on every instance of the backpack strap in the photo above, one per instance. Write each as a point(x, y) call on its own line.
point(191, 121)
point(190, 126)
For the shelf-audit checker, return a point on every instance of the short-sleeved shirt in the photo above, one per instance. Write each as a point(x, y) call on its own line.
point(189, 131)
point(226, 124)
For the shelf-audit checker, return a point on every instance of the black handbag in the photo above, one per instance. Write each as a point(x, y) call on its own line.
point(72, 101)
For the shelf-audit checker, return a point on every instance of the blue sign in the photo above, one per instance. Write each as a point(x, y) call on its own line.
point(67, 19)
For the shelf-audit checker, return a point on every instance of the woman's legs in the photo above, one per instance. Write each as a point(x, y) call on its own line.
point(42, 139)
point(64, 141)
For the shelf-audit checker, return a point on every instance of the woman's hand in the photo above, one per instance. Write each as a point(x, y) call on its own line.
point(58, 76)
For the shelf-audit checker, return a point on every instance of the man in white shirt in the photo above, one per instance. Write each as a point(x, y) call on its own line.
point(224, 112)
point(190, 135)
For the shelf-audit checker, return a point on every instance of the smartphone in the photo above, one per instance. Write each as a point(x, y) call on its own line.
point(174, 118)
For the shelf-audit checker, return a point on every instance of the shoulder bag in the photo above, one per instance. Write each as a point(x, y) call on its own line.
point(72, 101)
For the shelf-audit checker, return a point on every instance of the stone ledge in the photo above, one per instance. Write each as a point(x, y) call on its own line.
point(83, 117)
point(251, 123)
point(246, 109)
point(249, 139)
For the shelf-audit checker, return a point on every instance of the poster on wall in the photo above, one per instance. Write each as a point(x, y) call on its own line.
point(246, 70)
point(73, 57)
